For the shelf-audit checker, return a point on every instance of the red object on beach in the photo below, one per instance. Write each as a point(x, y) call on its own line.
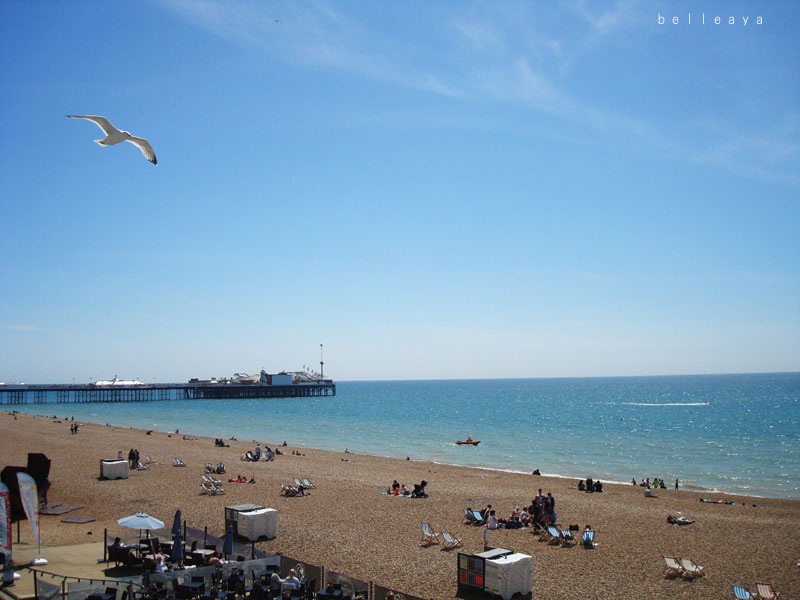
point(468, 441)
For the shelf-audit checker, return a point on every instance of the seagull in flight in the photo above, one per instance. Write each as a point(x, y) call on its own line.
point(115, 136)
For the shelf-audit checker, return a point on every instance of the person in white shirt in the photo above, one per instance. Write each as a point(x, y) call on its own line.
point(291, 581)
point(275, 581)
point(492, 522)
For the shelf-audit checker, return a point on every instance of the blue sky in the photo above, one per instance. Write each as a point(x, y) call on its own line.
point(429, 189)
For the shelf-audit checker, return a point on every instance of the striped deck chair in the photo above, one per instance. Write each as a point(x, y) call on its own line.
point(588, 538)
point(766, 591)
point(307, 483)
point(742, 594)
point(555, 535)
point(567, 539)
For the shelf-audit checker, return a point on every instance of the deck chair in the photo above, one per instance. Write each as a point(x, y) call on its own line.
point(206, 489)
point(289, 491)
point(148, 460)
point(567, 539)
point(450, 541)
point(674, 568)
point(428, 535)
point(742, 594)
point(541, 533)
point(307, 483)
point(690, 569)
point(473, 516)
point(766, 591)
point(140, 466)
point(554, 535)
point(218, 489)
point(177, 462)
point(298, 483)
point(588, 538)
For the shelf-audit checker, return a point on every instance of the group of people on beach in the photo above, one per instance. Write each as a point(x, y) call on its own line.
point(258, 454)
point(655, 483)
point(400, 489)
point(133, 458)
point(540, 512)
point(590, 485)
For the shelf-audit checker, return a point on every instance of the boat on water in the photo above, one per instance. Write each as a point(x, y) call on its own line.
point(469, 441)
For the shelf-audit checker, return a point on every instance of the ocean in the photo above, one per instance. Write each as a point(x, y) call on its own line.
point(726, 433)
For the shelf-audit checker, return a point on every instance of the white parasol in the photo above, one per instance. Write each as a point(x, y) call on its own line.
point(141, 521)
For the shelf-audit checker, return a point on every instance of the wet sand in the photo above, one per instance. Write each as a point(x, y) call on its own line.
point(347, 525)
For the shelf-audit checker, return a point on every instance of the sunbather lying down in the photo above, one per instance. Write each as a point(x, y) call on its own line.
point(679, 520)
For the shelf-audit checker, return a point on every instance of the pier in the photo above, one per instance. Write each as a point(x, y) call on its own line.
point(11, 394)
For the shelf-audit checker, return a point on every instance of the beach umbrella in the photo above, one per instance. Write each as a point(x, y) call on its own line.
point(227, 544)
point(141, 521)
point(176, 522)
point(177, 548)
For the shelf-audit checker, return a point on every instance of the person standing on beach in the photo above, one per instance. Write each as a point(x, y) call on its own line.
point(676, 483)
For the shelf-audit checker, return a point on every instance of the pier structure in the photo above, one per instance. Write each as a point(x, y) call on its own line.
point(13, 394)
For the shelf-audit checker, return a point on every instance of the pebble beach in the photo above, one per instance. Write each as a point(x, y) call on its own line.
point(349, 525)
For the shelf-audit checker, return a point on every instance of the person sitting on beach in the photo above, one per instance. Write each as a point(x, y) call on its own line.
point(512, 522)
point(525, 517)
point(491, 521)
point(485, 512)
point(419, 490)
point(581, 486)
point(395, 486)
point(403, 491)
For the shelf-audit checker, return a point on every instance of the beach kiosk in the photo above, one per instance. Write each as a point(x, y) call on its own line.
point(114, 469)
point(495, 571)
point(252, 521)
point(258, 524)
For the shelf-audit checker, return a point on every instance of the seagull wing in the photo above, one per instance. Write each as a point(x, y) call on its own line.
point(101, 122)
point(145, 147)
